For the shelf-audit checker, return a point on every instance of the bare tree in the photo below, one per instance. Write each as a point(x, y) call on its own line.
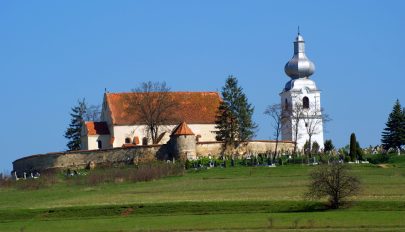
point(313, 118)
point(154, 105)
point(92, 113)
point(292, 115)
point(333, 181)
point(276, 113)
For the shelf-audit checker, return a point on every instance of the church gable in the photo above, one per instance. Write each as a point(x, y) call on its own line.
point(192, 107)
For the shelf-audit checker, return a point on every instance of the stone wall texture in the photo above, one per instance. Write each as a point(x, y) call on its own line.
point(205, 149)
point(81, 159)
point(133, 155)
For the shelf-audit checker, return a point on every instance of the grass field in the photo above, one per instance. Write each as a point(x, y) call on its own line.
point(230, 199)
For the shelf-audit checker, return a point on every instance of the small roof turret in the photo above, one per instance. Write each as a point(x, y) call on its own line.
point(182, 129)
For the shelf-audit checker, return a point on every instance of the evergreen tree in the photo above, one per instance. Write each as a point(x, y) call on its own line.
point(359, 151)
point(393, 135)
point(73, 132)
point(328, 146)
point(306, 148)
point(315, 148)
point(234, 120)
point(353, 149)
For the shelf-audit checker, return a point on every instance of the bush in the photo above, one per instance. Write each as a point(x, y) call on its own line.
point(378, 158)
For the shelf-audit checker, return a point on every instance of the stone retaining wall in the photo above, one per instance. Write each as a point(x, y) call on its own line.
point(81, 159)
point(131, 155)
point(255, 147)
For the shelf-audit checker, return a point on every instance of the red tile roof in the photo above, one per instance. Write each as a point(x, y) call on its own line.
point(192, 107)
point(97, 128)
point(182, 129)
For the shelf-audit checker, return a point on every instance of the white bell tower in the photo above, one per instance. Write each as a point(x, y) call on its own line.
point(301, 100)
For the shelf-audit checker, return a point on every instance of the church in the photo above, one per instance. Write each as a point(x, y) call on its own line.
point(121, 135)
point(121, 126)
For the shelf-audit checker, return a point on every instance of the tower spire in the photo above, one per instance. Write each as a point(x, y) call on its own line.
point(299, 66)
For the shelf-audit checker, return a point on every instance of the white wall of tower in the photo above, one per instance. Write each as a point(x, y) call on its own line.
point(310, 119)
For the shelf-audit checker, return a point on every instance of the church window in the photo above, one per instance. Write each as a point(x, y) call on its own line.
point(286, 104)
point(305, 103)
point(127, 140)
point(99, 144)
point(145, 141)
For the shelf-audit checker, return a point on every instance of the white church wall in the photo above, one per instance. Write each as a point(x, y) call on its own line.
point(129, 131)
point(205, 132)
point(120, 133)
point(92, 142)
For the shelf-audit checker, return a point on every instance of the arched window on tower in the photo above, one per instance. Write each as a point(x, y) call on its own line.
point(305, 103)
point(286, 104)
point(127, 140)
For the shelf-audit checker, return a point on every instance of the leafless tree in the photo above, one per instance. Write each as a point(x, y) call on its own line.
point(276, 113)
point(92, 113)
point(154, 105)
point(292, 115)
point(333, 181)
point(313, 118)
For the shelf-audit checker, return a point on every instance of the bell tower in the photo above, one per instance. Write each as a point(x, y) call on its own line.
point(301, 100)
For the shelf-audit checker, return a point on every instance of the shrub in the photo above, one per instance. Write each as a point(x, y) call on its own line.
point(378, 158)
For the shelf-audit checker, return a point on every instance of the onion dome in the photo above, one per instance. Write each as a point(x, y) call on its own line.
point(299, 66)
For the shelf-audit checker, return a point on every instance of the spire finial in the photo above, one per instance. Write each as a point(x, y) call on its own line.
point(299, 66)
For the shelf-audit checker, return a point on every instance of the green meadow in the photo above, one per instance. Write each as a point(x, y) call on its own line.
point(221, 199)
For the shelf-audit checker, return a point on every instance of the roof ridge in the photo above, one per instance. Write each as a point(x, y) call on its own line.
point(116, 93)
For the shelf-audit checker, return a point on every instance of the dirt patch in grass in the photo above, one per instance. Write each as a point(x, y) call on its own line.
point(383, 165)
point(127, 212)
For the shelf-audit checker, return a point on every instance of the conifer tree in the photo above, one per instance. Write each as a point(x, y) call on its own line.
point(359, 151)
point(328, 146)
point(73, 132)
point(353, 147)
point(234, 119)
point(393, 135)
point(315, 148)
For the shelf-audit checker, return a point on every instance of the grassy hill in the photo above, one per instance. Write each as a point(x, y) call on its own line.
point(240, 198)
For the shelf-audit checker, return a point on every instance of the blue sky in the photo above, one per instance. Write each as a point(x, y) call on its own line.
point(55, 52)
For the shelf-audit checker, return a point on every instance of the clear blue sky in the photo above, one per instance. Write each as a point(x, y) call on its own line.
point(55, 52)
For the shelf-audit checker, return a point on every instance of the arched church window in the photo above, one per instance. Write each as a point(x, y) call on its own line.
point(145, 141)
point(127, 140)
point(286, 104)
point(99, 144)
point(305, 103)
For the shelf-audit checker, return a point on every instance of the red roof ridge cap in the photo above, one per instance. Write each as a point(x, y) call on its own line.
point(118, 93)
